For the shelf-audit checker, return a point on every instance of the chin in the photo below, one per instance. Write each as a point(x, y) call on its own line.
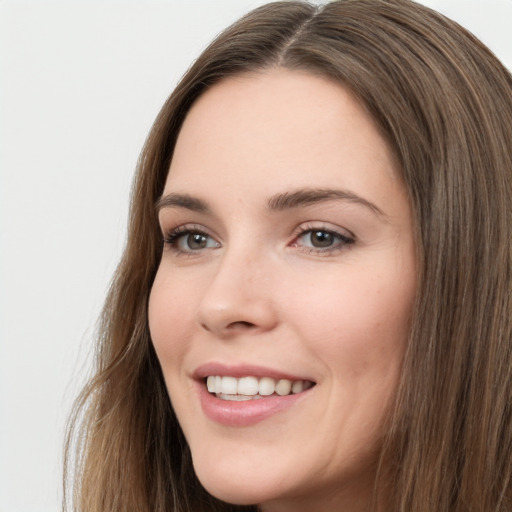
point(267, 481)
point(232, 488)
point(234, 493)
point(239, 486)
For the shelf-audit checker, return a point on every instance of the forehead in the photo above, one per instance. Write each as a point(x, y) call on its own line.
point(279, 127)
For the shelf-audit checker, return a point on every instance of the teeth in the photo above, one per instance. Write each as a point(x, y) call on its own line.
point(283, 387)
point(266, 386)
point(238, 398)
point(297, 386)
point(248, 388)
point(228, 386)
point(234, 398)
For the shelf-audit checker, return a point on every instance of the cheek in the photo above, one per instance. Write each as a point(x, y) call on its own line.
point(359, 324)
point(170, 319)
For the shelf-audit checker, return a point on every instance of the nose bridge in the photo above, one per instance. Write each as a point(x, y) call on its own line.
point(237, 295)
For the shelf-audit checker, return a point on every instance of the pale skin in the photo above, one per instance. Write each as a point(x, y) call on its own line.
point(269, 269)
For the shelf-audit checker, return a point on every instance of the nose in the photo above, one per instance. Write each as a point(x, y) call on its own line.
point(238, 299)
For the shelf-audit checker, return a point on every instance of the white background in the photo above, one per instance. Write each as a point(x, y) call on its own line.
point(80, 84)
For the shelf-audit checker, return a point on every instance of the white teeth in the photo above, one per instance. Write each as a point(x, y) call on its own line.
point(229, 386)
point(297, 386)
point(248, 388)
point(266, 386)
point(234, 398)
point(210, 384)
point(283, 387)
point(218, 384)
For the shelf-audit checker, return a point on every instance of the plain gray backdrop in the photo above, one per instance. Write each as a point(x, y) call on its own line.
point(80, 84)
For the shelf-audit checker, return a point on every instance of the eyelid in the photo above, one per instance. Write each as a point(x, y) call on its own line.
point(172, 235)
point(343, 238)
point(323, 226)
point(168, 229)
point(346, 237)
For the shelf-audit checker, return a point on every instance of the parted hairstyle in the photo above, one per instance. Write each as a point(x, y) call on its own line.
point(443, 102)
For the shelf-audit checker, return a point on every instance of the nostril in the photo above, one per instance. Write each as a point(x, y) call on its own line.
point(205, 327)
point(243, 324)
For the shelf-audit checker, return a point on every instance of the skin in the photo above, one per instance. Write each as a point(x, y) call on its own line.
point(262, 293)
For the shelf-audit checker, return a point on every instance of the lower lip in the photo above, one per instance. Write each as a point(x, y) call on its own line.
point(247, 412)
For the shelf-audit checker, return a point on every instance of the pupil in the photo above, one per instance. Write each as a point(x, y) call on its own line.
point(321, 239)
point(196, 241)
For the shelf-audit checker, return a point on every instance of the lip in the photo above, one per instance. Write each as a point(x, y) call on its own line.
point(239, 371)
point(249, 412)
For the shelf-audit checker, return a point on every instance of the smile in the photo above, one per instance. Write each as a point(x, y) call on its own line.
point(244, 395)
point(251, 388)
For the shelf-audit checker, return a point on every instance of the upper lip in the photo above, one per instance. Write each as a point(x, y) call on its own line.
point(244, 370)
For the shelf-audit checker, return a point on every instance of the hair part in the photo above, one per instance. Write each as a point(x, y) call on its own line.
point(443, 103)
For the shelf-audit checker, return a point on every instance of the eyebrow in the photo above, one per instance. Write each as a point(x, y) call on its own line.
point(306, 197)
point(185, 201)
point(278, 202)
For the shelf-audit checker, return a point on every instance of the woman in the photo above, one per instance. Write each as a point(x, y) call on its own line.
point(318, 276)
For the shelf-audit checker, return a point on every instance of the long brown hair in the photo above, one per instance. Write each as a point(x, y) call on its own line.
point(444, 104)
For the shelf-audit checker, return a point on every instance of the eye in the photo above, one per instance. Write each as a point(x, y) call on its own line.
point(189, 240)
point(322, 240)
point(195, 241)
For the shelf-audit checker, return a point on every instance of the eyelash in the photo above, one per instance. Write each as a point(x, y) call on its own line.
point(172, 239)
point(341, 240)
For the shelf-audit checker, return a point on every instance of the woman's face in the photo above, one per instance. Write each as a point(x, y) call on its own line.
point(288, 271)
